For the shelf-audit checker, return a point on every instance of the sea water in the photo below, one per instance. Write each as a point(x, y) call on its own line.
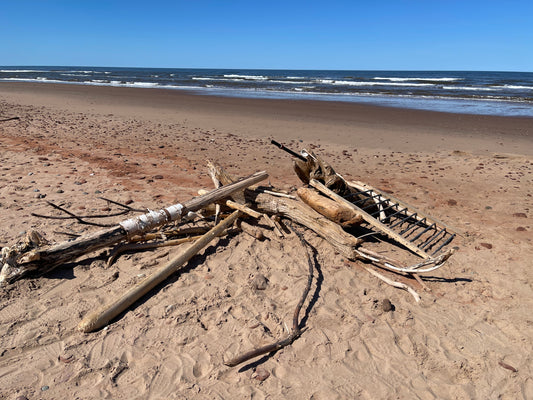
point(473, 92)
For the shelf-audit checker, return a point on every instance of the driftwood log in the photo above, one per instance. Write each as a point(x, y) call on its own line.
point(304, 215)
point(17, 261)
point(296, 211)
point(330, 209)
point(103, 316)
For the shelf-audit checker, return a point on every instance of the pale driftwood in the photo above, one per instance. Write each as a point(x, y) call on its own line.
point(395, 284)
point(217, 184)
point(298, 212)
point(277, 194)
point(47, 258)
point(369, 219)
point(330, 209)
point(243, 208)
point(304, 215)
point(432, 263)
point(102, 317)
point(129, 247)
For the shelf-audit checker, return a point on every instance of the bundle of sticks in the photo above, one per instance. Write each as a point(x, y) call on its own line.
point(238, 199)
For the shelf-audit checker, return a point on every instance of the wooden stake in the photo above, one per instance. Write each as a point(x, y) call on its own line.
point(102, 317)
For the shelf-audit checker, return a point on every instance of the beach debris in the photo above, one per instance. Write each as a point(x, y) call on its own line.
point(343, 213)
point(20, 260)
point(103, 316)
point(297, 328)
point(507, 366)
point(387, 306)
point(4, 119)
point(394, 283)
point(260, 374)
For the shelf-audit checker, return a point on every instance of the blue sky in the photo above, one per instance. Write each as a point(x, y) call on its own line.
point(401, 34)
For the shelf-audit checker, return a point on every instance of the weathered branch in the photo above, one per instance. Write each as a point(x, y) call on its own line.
point(296, 329)
point(304, 215)
point(102, 317)
point(47, 258)
point(395, 284)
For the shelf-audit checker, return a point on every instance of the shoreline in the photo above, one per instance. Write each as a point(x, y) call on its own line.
point(340, 123)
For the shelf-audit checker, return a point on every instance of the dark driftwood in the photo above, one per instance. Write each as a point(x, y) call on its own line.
point(45, 259)
point(297, 330)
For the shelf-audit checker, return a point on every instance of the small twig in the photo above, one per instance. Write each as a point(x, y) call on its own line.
point(123, 205)
point(74, 235)
point(9, 119)
point(125, 247)
point(277, 194)
point(395, 266)
point(296, 329)
point(243, 208)
point(197, 230)
point(77, 217)
point(398, 285)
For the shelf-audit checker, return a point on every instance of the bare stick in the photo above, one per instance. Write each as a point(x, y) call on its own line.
point(398, 285)
point(243, 208)
point(217, 184)
point(9, 119)
point(102, 317)
point(277, 194)
point(432, 263)
point(128, 247)
point(296, 329)
point(75, 216)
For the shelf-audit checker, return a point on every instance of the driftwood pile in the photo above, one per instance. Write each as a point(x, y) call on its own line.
point(319, 206)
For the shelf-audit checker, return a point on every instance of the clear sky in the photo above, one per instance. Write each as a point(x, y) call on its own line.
point(371, 34)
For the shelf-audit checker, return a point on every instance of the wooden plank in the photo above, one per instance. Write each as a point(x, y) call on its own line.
point(420, 215)
point(369, 219)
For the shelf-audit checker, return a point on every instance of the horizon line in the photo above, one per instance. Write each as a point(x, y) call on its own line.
point(266, 69)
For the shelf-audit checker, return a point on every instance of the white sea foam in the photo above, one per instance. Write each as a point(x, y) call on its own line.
point(418, 79)
point(517, 87)
point(247, 77)
point(367, 83)
point(19, 70)
point(72, 74)
point(471, 88)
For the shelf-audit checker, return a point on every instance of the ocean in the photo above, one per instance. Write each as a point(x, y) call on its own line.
point(471, 92)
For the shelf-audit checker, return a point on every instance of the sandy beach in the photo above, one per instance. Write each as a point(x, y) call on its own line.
point(471, 336)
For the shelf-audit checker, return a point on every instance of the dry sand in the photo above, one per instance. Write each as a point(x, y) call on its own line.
point(470, 338)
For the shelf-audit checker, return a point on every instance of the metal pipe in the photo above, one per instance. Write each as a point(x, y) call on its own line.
point(444, 244)
point(424, 231)
point(431, 239)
